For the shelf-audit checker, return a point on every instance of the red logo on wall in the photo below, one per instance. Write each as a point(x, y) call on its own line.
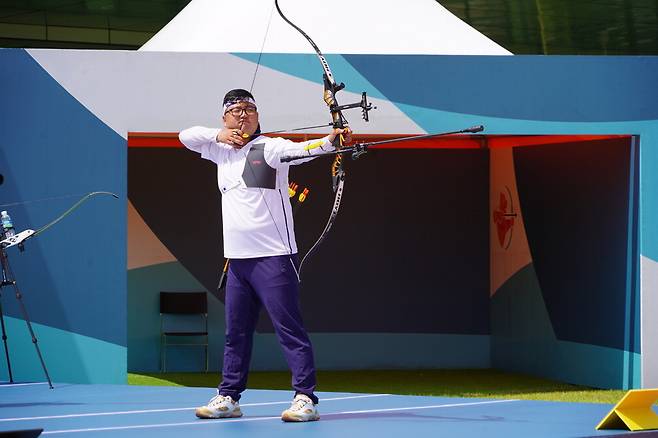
point(503, 217)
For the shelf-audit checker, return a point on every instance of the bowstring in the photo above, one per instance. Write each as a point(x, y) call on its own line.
point(260, 189)
point(262, 48)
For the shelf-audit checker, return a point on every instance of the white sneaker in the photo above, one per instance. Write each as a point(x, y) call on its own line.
point(220, 406)
point(301, 409)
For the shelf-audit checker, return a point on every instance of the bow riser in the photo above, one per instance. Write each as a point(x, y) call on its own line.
point(339, 122)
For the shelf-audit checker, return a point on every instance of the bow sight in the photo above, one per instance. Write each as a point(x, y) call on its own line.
point(363, 104)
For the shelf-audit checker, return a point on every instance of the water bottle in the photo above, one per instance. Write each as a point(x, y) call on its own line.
point(7, 225)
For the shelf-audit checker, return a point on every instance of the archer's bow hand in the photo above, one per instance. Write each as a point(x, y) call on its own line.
point(345, 135)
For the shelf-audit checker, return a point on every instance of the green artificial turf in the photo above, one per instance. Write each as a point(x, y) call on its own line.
point(451, 383)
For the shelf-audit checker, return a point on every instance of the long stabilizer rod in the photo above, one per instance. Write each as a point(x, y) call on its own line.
point(361, 148)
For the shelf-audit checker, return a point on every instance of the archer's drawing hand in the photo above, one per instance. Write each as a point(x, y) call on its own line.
point(231, 137)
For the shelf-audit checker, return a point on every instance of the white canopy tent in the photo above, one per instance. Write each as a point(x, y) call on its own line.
point(339, 26)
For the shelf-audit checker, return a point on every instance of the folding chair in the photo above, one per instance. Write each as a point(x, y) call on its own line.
point(182, 304)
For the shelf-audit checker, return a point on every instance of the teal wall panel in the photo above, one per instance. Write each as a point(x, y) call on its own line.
point(144, 286)
point(332, 350)
point(69, 357)
point(523, 340)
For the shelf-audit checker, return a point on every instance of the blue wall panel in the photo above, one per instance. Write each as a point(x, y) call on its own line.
point(556, 88)
point(53, 152)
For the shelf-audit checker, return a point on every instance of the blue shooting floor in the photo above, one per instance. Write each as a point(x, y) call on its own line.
point(144, 411)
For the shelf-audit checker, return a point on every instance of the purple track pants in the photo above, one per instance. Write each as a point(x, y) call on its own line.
point(269, 282)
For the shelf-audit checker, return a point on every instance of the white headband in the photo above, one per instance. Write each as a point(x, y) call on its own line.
point(232, 102)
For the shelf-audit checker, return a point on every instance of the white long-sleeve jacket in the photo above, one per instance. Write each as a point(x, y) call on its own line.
point(256, 211)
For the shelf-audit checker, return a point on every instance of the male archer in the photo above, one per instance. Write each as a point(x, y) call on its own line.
point(259, 239)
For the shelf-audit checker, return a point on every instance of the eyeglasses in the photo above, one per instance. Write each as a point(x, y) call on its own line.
point(237, 112)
